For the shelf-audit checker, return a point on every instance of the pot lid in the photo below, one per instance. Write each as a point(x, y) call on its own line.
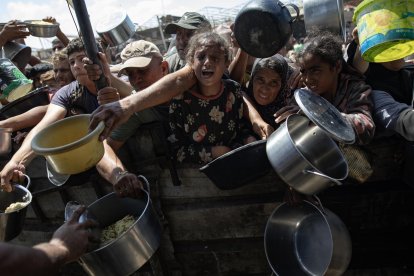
point(323, 114)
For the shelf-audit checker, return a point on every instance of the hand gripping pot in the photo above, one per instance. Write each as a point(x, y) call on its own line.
point(302, 151)
point(133, 248)
point(11, 224)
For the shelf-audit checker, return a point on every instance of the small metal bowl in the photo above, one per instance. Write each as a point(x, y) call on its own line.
point(40, 28)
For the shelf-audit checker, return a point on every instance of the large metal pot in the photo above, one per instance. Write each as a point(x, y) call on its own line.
point(134, 247)
point(325, 14)
point(5, 141)
point(116, 28)
point(305, 240)
point(263, 27)
point(305, 157)
point(11, 224)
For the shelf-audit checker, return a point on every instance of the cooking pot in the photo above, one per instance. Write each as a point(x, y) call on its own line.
point(116, 28)
point(11, 224)
point(305, 157)
point(302, 239)
point(239, 166)
point(69, 146)
point(5, 141)
point(34, 98)
point(263, 27)
point(325, 14)
point(133, 248)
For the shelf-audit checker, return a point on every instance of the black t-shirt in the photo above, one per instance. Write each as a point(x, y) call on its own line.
point(399, 84)
point(76, 99)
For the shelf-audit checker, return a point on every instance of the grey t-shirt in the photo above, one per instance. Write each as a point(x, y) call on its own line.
point(76, 99)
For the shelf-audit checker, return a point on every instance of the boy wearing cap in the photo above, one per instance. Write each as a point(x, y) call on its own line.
point(184, 29)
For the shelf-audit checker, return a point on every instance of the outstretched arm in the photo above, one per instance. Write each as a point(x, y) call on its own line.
point(116, 113)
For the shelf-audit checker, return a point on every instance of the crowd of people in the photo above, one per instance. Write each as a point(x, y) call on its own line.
point(211, 96)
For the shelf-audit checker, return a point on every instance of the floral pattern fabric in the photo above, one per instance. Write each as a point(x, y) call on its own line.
point(197, 122)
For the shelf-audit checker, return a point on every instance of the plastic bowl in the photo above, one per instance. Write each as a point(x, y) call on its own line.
point(42, 28)
point(68, 146)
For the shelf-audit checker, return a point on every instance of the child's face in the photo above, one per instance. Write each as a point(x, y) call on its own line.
point(318, 75)
point(266, 86)
point(76, 66)
point(209, 65)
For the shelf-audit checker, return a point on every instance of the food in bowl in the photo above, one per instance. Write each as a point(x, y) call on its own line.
point(40, 28)
point(113, 231)
point(16, 206)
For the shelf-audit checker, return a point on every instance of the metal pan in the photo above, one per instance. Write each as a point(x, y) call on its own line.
point(239, 166)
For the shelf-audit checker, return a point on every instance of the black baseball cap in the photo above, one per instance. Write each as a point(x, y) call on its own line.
point(189, 21)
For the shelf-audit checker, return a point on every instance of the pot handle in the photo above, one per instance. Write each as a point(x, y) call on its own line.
point(28, 180)
point(146, 183)
point(323, 175)
point(295, 8)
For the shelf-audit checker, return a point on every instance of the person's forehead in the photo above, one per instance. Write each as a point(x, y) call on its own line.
point(210, 48)
point(75, 55)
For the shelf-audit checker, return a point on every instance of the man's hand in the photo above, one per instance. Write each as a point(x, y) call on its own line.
point(113, 114)
point(128, 185)
point(72, 238)
point(12, 172)
point(95, 71)
point(13, 30)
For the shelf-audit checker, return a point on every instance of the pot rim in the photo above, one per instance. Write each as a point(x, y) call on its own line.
point(126, 231)
point(316, 209)
point(26, 190)
point(61, 149)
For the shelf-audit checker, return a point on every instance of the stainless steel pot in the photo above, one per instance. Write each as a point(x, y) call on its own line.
point(116, 28)
point(305, 157)
point(325, 14)
point(305, 240)
point(134, 247)
point(5, 141)
point(11, 224)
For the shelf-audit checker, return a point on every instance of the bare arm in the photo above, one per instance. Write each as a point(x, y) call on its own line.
point(124, 89)
point(25, 153)
point(237, 68)
point(59, 34)
point(67, 244)
point(160, 92)
point(12, 31)
point(260, 127)
point(28, 119)
point(111, 168)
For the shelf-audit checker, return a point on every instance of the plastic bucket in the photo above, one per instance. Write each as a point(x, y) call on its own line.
point(68, 146)
point(385, 29)
point(13, 83)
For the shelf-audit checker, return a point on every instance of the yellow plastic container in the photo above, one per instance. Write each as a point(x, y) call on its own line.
point(385, 29)
point(68, 146)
